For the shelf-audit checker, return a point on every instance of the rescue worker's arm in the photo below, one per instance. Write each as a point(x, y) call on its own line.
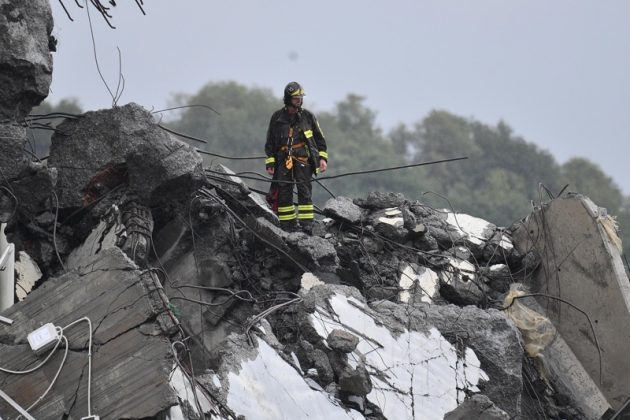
point(320, 142)
point(270, 161)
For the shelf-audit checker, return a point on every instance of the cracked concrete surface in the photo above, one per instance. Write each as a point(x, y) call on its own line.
point(131, 353)
point(416, 374)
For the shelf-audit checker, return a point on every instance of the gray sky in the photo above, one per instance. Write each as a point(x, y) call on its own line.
point(557, 72)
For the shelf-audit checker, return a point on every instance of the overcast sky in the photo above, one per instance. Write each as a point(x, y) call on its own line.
point(557, 72)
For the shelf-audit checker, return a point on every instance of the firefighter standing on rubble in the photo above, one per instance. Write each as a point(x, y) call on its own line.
point(295, 150)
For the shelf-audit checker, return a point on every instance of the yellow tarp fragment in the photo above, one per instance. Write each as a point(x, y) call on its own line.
point(536, 329)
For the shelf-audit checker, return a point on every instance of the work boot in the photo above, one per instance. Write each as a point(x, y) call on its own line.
point(307, 226)
point(289, 225)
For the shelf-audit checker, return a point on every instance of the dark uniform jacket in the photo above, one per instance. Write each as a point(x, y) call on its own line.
point(307, 141)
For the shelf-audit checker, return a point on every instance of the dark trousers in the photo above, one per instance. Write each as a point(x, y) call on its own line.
point(300, 173)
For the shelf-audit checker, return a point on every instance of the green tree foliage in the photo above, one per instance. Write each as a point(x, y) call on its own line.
point(239, 128)
point(499, 147)
point(356, 144)
point(40, 131)
point(587, 178)
point(500, 177)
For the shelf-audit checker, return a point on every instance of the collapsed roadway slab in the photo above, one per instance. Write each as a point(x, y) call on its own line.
point(131, 352)
point(582, 268)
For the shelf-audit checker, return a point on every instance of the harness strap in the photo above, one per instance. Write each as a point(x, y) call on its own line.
point(295, 146)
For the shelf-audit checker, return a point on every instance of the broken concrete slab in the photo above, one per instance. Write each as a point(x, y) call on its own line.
point(582, 265)
point(238, 193)
point(385, 345)
point(103, 236)
point(102, 141)
point(33, 189)
point(131, 350)
point(494, 339)
point(344, 209)
point(162, 164)
point(500, 248)
point(184, 270)
point(381, 200)
point(462, 229)
point(257, 382)
point(476, 231)
point(557, 362)
point(460, 284)
point(477, 407)
point(13, 158)
point(418, 284)
point(319, 253)
point(418, 230)
point(25, 56)
point(298, 250)
point(28, 273)
point(389, 222)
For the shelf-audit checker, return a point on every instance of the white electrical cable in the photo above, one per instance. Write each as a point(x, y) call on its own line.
point(16, 406)
point(23, 372)
point(89, 392)
point(63, 361)
point(60, 331)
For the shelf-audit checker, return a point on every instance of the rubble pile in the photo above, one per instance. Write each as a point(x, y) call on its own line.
point(200, 306)
point(391, 309)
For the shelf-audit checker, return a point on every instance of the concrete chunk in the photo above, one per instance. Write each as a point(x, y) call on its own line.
point(25, 56)
point(343, 208)
point(342, 341)
point(119, 145)
point(13, 159)
point(477, 407)
point(381, 200)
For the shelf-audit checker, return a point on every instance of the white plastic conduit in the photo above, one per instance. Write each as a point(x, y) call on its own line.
point(7, 271)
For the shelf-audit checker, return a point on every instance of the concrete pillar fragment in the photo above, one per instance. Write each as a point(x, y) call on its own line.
point(583, 287)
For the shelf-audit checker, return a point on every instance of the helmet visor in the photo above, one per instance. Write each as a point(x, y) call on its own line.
point(298, 93)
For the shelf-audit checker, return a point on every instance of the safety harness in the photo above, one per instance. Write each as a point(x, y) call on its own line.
point(290, 147)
